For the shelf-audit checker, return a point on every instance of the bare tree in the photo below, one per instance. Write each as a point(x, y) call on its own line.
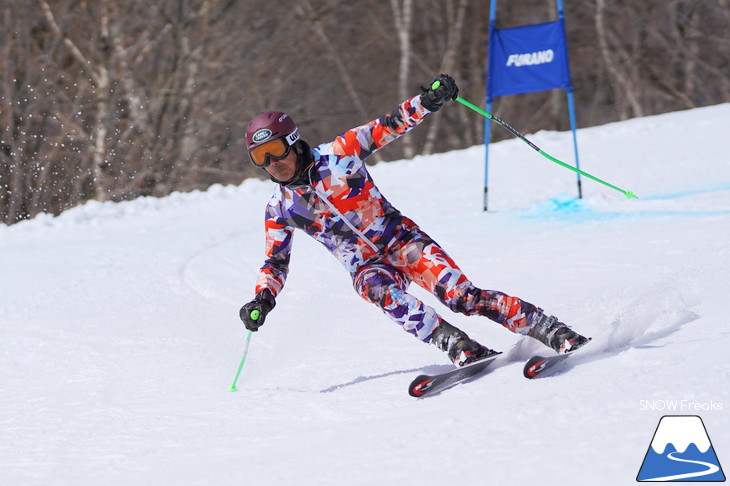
point(403, 20)
point(313, 18)
point(454, 27)
point(608, 45)
point(114, 100)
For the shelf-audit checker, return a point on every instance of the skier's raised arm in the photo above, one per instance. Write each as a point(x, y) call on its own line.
point(366, 139)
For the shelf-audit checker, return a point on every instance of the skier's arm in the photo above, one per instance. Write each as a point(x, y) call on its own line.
point(366, 139)
point(272, 275)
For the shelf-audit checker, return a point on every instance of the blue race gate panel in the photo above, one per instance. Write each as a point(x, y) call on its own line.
point(527, 59)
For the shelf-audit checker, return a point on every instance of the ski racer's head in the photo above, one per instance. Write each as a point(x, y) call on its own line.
point(273, 143)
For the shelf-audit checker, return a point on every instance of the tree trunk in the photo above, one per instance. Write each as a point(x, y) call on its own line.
point(624, 86)
point(448, 62)
point(403, 16)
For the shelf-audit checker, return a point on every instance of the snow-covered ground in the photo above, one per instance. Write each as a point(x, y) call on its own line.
point(119, 329)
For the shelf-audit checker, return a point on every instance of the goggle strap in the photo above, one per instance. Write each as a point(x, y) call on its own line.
point(292, 138)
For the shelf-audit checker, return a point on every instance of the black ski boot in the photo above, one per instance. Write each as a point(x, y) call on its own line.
point(554, 334)
point(461, 349)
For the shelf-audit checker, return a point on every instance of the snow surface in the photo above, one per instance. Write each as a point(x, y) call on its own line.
point(120, 332)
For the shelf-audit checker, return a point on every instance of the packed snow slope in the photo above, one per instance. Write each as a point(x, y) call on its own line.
point(119, 329)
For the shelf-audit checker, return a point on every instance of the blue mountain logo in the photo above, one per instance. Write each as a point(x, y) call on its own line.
point(681, 451)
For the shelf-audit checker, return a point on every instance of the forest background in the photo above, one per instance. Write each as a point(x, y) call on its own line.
point(117, 99)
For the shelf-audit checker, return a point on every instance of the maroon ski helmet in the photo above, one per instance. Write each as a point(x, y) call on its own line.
point(270, 125)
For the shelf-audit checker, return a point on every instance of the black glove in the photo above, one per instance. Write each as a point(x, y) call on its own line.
point(446, 90)
point(254, 313)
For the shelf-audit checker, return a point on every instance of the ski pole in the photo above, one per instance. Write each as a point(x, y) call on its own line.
point(255, 316)
point(628, 194)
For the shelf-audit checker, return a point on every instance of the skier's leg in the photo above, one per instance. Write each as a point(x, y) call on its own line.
point(430, 267)
point(438, 273)
point(385, 287)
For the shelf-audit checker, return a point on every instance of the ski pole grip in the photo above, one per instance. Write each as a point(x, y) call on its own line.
point(255, 314)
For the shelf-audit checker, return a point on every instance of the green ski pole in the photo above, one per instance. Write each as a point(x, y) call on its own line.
point(255, 316)
point(628, 194)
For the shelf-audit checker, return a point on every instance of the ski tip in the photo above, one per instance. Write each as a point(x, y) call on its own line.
point(534, 367)
point(420, 386)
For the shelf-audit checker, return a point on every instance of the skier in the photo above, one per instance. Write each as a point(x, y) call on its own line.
point(328, 192)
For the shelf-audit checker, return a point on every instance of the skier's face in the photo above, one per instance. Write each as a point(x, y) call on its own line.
point(284, 169)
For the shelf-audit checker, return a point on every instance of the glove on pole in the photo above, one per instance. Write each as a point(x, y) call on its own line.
point(253, 316)
point(259, 307)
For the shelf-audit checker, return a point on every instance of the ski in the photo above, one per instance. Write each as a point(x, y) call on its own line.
point(431, 384)
point(541, 365)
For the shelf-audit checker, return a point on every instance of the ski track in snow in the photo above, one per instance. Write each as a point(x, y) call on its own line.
point(120, 329)
point(195, 276)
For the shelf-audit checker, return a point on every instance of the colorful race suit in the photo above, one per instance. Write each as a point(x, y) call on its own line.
point(381, 249)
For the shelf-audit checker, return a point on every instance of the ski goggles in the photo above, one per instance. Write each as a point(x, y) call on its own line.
point(275, 149)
